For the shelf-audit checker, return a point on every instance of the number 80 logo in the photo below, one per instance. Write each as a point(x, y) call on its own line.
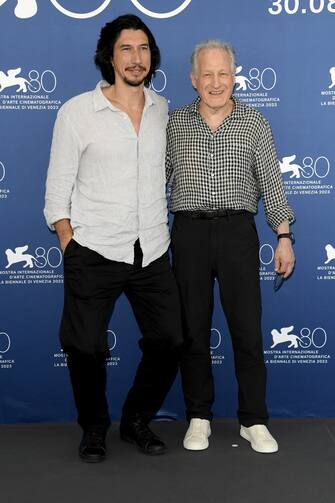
point(316, 338)
point(29, 9)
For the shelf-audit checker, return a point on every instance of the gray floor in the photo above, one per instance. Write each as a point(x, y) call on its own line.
point(39, 464)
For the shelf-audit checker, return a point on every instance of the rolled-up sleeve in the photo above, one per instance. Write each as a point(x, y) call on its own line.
point(63, 167)
point(270, 182)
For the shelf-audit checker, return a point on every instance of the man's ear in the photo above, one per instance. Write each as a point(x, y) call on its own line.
point(193, 80)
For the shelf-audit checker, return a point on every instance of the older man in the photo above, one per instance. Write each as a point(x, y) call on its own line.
point(221, 160)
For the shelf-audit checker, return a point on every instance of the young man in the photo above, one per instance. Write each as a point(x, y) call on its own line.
point(105, 198)
point(221, 159)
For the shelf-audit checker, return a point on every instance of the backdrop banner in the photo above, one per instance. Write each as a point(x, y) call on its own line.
point(286, 69)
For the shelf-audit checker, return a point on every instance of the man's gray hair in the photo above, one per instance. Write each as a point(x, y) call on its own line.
point(213, 43)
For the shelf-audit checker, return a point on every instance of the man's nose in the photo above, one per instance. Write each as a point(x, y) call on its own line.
point(136, 56)
point(216, 81)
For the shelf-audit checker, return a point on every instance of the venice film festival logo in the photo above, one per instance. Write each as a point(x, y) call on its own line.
point(305, 346)
point(308, 176)
point(256, 86)
point(328, 94)
point(11, 79)
point(32, 268)
point(26, 9)
point(326, 271)
point(30, 90)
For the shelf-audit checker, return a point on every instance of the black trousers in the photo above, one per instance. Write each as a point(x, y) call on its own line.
point(92, 285)
point(225, 248)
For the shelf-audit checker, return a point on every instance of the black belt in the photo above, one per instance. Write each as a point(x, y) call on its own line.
point(211, 214)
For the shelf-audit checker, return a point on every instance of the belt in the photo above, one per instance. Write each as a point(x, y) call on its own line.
point(211, 214)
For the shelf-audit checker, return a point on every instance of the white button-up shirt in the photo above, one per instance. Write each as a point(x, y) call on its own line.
point(109, 181)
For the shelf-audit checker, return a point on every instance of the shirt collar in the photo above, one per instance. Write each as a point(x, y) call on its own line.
point(100, 102)
point(237, 112)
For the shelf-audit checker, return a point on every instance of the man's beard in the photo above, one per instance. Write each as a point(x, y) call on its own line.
point(133, 83)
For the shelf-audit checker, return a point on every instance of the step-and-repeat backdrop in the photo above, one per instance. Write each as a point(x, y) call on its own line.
point(286, 69)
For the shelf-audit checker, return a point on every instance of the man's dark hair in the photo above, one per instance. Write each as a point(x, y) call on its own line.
point(109, 35)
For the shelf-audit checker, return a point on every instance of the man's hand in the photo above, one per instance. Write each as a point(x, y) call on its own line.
point(284, 257)
point(64, 232)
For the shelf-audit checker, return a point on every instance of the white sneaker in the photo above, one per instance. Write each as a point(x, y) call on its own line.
point(196, 438)
point(260, 438)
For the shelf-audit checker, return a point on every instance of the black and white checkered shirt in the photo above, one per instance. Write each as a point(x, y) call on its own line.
point(230, 168)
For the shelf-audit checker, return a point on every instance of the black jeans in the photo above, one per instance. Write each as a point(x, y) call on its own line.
point(92, 285)
point(225, 248)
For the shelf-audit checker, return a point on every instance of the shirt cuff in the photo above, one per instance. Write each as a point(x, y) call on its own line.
point(277, 216)
point(52, 218)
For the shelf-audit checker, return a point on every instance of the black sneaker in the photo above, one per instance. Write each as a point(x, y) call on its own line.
point(92, 448)
point(138, 432)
